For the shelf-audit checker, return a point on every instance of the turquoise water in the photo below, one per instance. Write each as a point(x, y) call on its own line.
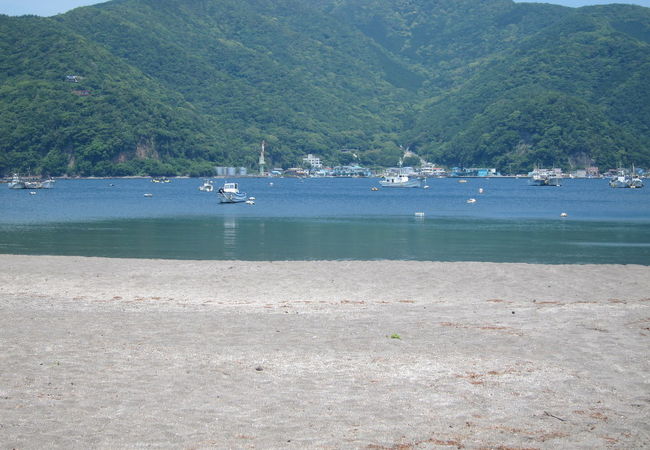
point(316, 219)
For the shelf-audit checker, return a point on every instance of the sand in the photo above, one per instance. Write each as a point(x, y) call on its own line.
point(118, 353)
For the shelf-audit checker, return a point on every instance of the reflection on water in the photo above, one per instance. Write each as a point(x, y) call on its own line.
point(230, 237)
point(249, 238)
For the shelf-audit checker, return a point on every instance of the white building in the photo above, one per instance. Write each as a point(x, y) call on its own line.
point(313, 161)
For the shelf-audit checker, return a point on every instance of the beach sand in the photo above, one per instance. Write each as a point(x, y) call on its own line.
point(128, 353)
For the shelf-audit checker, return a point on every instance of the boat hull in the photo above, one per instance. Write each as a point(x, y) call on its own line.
point(625, 183)
point(231, 197)
point(544, 182)
point(414, 183)
point(47, 184)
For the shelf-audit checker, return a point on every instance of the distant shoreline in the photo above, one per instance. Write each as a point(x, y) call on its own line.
point(145, 177)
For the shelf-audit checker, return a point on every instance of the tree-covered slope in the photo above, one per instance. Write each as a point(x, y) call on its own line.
point(282, 71)
point(112, 114)
point(575, 91)
point(178, 86)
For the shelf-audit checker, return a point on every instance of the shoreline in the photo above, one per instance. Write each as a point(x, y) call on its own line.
point(106, 353)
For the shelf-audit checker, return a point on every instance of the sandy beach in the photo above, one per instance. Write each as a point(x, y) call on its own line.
point(131, 353)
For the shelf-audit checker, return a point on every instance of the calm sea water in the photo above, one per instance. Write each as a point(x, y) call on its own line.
point(332, 219)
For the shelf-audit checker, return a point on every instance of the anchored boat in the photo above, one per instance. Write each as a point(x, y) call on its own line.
point(229, 193)
point(402, 180)
point(16, 182)
point(623, 180)
point(544, 177)
point(206, 186)
point(19, 183)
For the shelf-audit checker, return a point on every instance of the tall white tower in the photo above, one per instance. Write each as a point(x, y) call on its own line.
point(262, 163)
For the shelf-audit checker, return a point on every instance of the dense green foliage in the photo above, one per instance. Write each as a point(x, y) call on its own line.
point(169, 87)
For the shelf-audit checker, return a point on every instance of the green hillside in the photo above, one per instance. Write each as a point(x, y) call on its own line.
point(114, 115)
point(166, 87)
point(575, 91)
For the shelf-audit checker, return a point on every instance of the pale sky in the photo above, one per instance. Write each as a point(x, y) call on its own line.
point(52, 7)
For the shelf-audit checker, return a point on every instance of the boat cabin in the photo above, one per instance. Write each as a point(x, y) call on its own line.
point(231, 187)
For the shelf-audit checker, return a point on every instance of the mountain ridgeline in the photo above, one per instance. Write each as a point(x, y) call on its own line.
point(165, 87)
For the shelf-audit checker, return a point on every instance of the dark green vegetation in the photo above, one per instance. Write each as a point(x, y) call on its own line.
point(168, 86)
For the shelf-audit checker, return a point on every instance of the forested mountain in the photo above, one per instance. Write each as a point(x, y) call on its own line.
point(170, 86)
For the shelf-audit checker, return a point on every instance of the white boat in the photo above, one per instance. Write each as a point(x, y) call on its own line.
point(402, 181)
point(40, 184)
point(623, 180)
point(229, 193)
point(544, 177)
point(206, 186)
point(48, 184)
point(16, 182)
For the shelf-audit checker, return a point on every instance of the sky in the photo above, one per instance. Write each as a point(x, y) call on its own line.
point(52, 7)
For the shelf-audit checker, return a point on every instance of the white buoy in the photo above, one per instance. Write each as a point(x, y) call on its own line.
point(271, 183)
point(480, 190)
point(564, 214)
point(148, 195)
point(32, 193)
point(471, 200)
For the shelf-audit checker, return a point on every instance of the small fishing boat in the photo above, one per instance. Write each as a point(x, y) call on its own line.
point(544, 177)
point(206, 186)
point(19, 183)
point(40, 184)
point(229, 193)
point(402, 180)
point(16, 182)
point(623, 180)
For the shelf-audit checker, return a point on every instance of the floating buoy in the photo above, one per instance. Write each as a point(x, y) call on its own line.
point(374, 189)
point(271, 183)
point(419, 214)
point(32, 193)
point(480, 190)
point(471, 200)
point(564, 214)
point(148, 195)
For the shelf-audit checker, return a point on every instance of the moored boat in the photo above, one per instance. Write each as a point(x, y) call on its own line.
point(40, 184)
point(229, 193)
point(402, 180)
point(544, 177)
point(206, 186)
point(623, 180)
point(16, 182)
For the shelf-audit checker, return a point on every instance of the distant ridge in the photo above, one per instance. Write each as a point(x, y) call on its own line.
point(164, 87)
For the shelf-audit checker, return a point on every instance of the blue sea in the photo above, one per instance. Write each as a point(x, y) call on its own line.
point(332, 219)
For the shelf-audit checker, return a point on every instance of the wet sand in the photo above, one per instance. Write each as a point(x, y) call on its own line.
point(126, 353)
